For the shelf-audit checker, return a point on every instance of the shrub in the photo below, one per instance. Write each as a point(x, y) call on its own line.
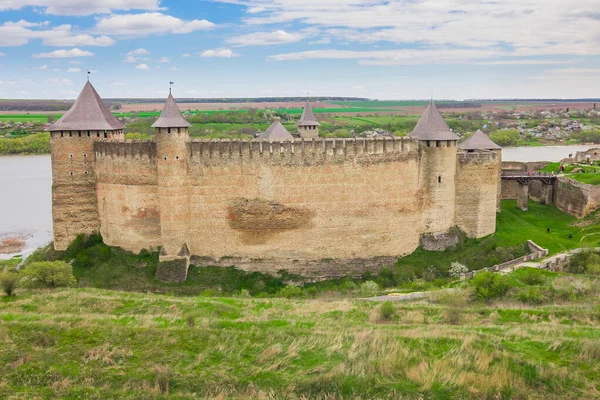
point(580, 262)
point(453, 316)
point(457, 269)
point(9, 281)
point(530, 295)
point(49, 274)
point(387, 311)
point(369, 289)
point(532, 276)
point(489, 285)
point(290, 291)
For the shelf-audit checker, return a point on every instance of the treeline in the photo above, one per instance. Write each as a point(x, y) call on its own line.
point(458, 104)
point(35, 105)
point(586, 136)
point(237, 99)
point(38, 143)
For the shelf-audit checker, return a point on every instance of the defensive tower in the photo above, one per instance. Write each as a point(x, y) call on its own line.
point(308, 126)
point(172, 135)
point(437, 169)
point(74, 202)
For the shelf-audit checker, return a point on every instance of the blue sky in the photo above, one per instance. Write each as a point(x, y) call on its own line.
point(455, 49)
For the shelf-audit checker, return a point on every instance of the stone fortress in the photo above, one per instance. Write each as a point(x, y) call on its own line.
point(317, 207)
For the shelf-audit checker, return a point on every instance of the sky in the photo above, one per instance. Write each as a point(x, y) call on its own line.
point(380, 49)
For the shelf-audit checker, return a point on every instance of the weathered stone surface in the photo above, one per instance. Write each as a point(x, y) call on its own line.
point(440, 241)
point(172, 271)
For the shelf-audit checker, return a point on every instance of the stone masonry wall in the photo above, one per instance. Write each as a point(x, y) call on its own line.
point(305, 200)
point(128, 194)
point(576, 198)
point(74, 207)
point(477, 183)
point(437, 169)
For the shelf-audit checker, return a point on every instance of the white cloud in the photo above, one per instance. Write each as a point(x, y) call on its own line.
point(61, 81)
point(44, 67)
point(525, 28)
point(186, 55)
point(64, 54)
point(75, 62)
point(142, 66)
point(148, 23)
point(173, 69)
point(265, 38)
point(74, 70)
point(134, 55)
point(222, 53)
point(525, 62)
point(21, 32)
point(2, 54)
point(81, 7)
point(164, 60)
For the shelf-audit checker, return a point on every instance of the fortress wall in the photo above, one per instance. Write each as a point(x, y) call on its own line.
point(128, 194)
point(307, 200)
point(74, 207)
point(437, 182)
point(477, 182)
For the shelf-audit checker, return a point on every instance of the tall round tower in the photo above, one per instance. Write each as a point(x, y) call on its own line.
point(308, 126)
point(72, 137)
point(437, 169)
point(172, 135)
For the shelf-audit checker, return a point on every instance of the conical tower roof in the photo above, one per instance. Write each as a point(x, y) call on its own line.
point(479, 141)
point(308, 117)
point(171, 117)
point(431, 126)
point(88, 113)
point(276, 133)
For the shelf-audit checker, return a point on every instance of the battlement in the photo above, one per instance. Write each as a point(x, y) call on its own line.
point(476, 156)
point(135, 149)
point(302, 150)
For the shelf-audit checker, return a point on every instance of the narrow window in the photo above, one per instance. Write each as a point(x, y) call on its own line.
point(165, 157)
point(438, 143)
point(168, 130)
point(79, 133)
point(70, 134)
point(70, 155)
point(61, 134)
point(105, 135)
point(177, 157)
point(70, 173)
point(440, 179)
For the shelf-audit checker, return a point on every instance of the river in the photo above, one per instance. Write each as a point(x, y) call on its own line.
point(26, 200)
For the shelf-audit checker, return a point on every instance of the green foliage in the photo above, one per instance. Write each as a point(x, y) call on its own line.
point(531, 276)
point(38, 143)
point(9, 282)
point(488, 285)
point(138, 136)
point(583, 262)
point(457, 269)
point(591, 136)
point(141, 126)
point(290, 291)
point(530, 295)
point(505, 137)
point(369, 289)
point(387, 311)
point(50, 274)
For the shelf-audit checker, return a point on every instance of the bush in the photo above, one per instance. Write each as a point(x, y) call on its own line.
point(489, 285)
point(387, 311)
point(290, 291)
point(532, 276)
point(531, 295)
point(9, 281)
point(49, 274)
point(369, 289)
point(580, 263)
point(457, 269)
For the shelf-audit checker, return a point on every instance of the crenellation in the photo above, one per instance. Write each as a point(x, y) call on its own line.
point(299, 200)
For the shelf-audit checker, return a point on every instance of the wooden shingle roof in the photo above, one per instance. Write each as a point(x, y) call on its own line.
point(276, 133)
point(479, 141)
point(88, 113)
point(308, 117)
point(431, 126)
point(171, 117)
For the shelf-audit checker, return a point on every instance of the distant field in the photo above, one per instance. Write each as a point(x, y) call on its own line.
point(43, 118)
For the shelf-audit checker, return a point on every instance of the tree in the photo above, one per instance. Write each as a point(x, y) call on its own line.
point(457, 269)
point(49, 274)
point(9, 281)
point(505, 137)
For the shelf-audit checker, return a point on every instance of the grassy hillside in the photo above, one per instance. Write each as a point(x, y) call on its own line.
point(89, 343)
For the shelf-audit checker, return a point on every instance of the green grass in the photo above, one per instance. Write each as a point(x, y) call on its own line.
point(590, 176)
point(90, 343)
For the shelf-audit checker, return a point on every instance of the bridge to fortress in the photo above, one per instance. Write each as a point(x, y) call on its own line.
point(524, 180)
